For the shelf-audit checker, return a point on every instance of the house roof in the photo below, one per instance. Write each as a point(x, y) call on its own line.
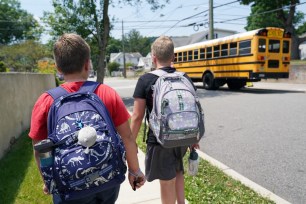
point(114, 56)
point(197, 37)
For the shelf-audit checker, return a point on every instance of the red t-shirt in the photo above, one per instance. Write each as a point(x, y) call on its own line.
point(109, 96)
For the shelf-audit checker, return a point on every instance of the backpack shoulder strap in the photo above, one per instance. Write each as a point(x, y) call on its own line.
point(180, 73)
point(89, 86)
point(158, 72)
point(57, 92)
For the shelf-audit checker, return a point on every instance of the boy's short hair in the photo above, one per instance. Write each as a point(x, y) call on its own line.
point(163, 49)
point(71, 53)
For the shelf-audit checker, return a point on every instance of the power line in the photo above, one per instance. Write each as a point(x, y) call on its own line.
point(265, 12)
point(199, 14)
point(225, 4)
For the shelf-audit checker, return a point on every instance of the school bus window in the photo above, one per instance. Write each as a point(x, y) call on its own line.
point(196, 54)
point(202, 53)
point(217, 51)
point(175, 57)
point(285, 46)
point(209, 52)
point(179, 56)
point(224, 50)
point(233, 48)
point(190, 55)
point(262, 45)
point(274, 46)
point(184, 56)
point(244, 47)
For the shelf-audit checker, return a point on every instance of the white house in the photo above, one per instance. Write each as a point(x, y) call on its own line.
point(132, 58)
point(200, 37)
point(145, 63)
point(302, 48)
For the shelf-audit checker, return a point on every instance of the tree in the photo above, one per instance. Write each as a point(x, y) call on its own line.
point(2, 67)
point(24, 57)
point(281, 13)
point(16, 24)
point(114, 46)
point(134, 42)
point(88, 18)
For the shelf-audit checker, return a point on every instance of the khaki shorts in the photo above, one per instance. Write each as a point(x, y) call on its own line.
point(163, 163)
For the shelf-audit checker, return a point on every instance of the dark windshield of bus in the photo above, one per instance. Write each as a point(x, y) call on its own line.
point(274, 46)
point(262, 45)
point(285, 46)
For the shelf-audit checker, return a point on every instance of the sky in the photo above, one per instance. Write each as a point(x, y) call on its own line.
point(228, 14)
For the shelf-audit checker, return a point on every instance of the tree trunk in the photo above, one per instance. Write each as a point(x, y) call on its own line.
point(289, 27)
point(295, 52)
point(294, 42)
point(105, 37)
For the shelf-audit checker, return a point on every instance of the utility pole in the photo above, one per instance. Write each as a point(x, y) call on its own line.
point(211, 20)
point(124, 67)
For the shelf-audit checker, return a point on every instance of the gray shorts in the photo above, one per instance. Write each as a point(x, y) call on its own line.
point(163, 163)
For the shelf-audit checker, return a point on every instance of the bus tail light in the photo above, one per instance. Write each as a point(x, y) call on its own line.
point(286, 58)
point(261, 58)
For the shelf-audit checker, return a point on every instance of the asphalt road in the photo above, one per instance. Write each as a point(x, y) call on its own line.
point(260, 132)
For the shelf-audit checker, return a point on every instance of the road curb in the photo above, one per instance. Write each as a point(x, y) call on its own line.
point(247, 182)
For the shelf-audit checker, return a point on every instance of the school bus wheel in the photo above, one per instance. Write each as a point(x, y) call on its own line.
point(209, 82)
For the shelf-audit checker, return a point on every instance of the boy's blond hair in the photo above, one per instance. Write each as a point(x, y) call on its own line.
point(71, 52)
point(163, 49)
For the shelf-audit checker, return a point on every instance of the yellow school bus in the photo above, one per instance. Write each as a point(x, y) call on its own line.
point(237, 59)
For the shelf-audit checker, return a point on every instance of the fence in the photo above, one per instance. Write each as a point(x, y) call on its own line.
point(18, 93)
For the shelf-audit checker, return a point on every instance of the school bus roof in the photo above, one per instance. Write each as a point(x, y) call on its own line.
point(219, 40)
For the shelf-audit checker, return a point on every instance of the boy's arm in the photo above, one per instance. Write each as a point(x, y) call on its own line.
point(36, 156)
point(138, 114)
point(131, 154)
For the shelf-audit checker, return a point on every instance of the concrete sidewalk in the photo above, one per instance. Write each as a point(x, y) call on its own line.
point(147, 194)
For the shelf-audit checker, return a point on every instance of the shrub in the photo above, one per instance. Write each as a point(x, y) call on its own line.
point(113, 66)
point(2, 67)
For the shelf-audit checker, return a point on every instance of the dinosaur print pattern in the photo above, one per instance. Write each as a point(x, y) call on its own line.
point(77, 169)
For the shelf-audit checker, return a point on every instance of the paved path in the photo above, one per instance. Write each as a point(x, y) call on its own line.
point(147, 194)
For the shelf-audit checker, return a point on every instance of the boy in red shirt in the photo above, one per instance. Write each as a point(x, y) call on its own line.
point(72, 57)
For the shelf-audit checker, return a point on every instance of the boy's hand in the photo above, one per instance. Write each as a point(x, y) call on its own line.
point(136, 179)
point(45, 189)
point(195, 146)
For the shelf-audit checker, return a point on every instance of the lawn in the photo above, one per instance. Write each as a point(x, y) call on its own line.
point(298, 62)
point(21, 183)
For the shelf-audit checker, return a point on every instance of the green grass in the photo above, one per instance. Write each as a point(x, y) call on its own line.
point(21, 183)
point(211, 185)
point(298, 62)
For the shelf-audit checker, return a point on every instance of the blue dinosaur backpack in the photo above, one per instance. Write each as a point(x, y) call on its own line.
point(81, 166)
